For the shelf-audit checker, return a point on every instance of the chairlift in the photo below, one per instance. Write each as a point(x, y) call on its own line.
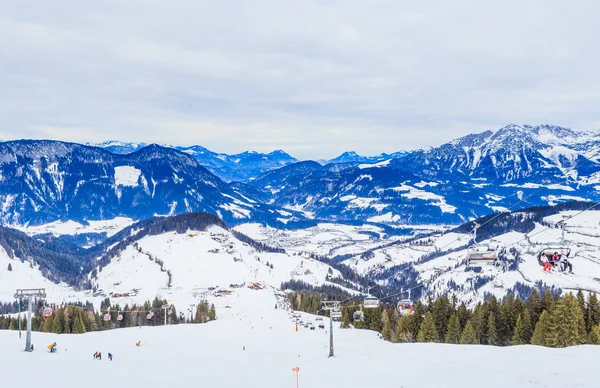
point(359, 316)
point(336, 314)
point(120, 317)
point(371, 302)
point(480, 255)
point(46, 312)
point(107, 317)
point(150, 316)
point(405, 307)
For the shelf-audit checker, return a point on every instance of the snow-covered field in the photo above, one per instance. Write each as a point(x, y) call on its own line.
point(213, 355)
point(326, 239)
point(59, 228)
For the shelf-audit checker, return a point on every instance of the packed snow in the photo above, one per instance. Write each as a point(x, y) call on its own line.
point(252, 344)
point(127, 176)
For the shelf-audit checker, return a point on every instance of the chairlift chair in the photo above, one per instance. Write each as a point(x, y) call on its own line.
point(46, 312)
point(358, 316)
point(481, 255)
point(550, 250)
point(336, 314)
point(371, 302)
point(405, 307)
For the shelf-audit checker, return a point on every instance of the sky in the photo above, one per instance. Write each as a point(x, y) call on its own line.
point(314, 78)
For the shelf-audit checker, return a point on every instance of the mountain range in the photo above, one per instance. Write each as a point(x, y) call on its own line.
point(513, 167)
point(244, 166)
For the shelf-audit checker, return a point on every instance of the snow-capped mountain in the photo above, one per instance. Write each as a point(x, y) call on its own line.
point(539, 154)
point(353, 157)
point(464, 179)
point(238, 167)
point(46, 181)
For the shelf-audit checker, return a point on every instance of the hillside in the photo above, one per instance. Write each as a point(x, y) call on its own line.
point(177, 258)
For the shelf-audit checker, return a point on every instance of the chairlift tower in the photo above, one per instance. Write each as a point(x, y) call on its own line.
point(329, 306)
point(29, 294)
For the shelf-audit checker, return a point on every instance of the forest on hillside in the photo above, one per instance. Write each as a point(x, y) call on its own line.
point(552, 321)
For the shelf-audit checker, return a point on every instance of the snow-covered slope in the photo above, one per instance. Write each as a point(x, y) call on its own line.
point(253, 345)
point(444, 273)
point(194, 261)
point(179, 267)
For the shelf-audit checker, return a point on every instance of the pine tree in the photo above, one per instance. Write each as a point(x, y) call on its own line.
point(387, 327)
point(212, 314)
point(404, 329)
point(47, 325)
point(593, 312)
point(469, 336)
point(535, 306)
point(519, 337)
point(541, 329)
point(527, 327)
point(78, 326)
point(428, 332)
point(345, 319)
point(507, 321)
point(453, 333)
point(492, 334)
point(567, 326)
point(547, 301)
point(594, 337)
point(463, 315)
point(581, 301)
point(57, 326)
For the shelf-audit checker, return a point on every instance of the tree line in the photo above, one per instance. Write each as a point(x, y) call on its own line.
point(82, 318)
point(551, 321)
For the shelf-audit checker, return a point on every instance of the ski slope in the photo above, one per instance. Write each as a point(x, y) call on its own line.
point(213, 355)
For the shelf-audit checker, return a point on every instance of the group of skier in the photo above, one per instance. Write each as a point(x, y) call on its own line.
point(98, 356)
point(556, 260)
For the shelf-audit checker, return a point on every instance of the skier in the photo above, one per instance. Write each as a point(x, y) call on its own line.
point(32, 347)
point(109, 356)
point(564, 264)
point(100, 356)
point(96, 355)
point(555, 259)
point(546, 262)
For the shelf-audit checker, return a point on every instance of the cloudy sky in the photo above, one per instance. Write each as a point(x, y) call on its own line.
point(314, 78)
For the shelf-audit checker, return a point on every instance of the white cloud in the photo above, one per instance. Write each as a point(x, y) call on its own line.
point(315, 78)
